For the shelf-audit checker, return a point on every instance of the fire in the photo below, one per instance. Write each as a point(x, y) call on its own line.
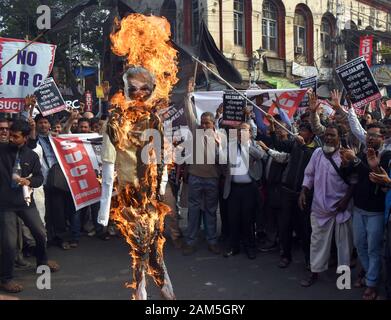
point(144, 40)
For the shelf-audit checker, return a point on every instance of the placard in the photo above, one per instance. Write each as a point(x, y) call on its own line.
point(233, 105)
point(49, 98)
point(358, 80)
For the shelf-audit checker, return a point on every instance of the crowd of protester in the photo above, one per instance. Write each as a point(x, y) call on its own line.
point(325, 187)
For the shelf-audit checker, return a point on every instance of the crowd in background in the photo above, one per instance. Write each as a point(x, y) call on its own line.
point(325, 187)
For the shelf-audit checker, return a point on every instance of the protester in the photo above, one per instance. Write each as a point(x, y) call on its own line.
point(291, 217)
point(59, 203)
point(4, 131)
point(331, 208)
point(203, 180)
point(241, 190)
point(20, 167)
point(383, 180)
point(83, 126)
point(369, 206)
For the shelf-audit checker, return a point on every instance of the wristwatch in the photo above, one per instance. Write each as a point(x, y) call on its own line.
point(356, 161)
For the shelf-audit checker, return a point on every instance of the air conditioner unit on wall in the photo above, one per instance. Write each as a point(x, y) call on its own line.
point(299, 50)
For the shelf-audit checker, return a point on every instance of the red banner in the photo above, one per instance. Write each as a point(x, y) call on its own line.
point(289, 101)
point(88, 101)
point(78, 161)
point(366, 48)
point(11, 105)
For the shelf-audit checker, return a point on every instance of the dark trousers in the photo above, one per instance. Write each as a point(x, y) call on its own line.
point(8, 233)
point(84, 215)
point(272, 210)
point(387, 258)
point(59, 207)
point(242, 202)
point(292, 218)
point(223, 211)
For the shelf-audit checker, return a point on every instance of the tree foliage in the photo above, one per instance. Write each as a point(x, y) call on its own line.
point(18, 20)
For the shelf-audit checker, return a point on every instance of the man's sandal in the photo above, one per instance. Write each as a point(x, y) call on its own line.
point(370, 293)
point(11, 287)
point(359, 283)
point(53, 265)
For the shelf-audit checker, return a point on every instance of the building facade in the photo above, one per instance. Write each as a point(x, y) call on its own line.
point(284, 38)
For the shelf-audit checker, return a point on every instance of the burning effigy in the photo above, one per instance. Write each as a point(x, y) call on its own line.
point(136, 209)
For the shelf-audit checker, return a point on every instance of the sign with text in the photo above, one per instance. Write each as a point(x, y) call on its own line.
point(366, 48)
point(309, 83)
point(88, 97)
point(49, 98)
point(233, 105)
point(24, 73)
point(173, 118)
point(357, 79)
point(79, 158)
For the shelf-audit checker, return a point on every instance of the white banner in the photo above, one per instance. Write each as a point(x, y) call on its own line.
point(24, 73)
point(210, 100)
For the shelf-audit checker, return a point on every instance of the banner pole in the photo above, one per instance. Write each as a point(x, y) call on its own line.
point(242, 95)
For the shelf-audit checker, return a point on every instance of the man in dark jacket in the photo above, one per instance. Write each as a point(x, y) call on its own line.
point(369, 205)
point(300, 151)
point(19, 167)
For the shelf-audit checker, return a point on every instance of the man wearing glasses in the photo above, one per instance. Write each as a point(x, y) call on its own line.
point(4, 131)
point(369, 206)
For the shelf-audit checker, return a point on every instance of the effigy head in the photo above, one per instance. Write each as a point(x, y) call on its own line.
point(139, 84)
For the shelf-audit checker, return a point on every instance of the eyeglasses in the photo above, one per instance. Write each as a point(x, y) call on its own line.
point(4, 129)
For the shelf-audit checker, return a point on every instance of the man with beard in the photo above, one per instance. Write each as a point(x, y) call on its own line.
point(19, 166)
point(369, 206)
point(331, 205)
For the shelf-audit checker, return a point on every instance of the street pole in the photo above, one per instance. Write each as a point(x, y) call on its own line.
point(99, 99)
point(80, 57)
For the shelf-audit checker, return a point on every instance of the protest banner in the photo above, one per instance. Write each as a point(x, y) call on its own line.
point(49, 98)
point(88, 99)
point(366, 48)
point(80, 161)
point(308, 83)
point(173, 118)
point(233, 105)
point(22, 75)
point(358, 80)
point(289, 100)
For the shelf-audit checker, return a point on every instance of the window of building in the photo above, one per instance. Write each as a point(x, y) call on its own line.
point(269, 26)
point(300, 34)
point(195, 22)
point(325, 41)
point(372, 13)
point(239, 22)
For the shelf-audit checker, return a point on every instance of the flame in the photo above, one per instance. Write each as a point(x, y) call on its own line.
point(144, 40)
